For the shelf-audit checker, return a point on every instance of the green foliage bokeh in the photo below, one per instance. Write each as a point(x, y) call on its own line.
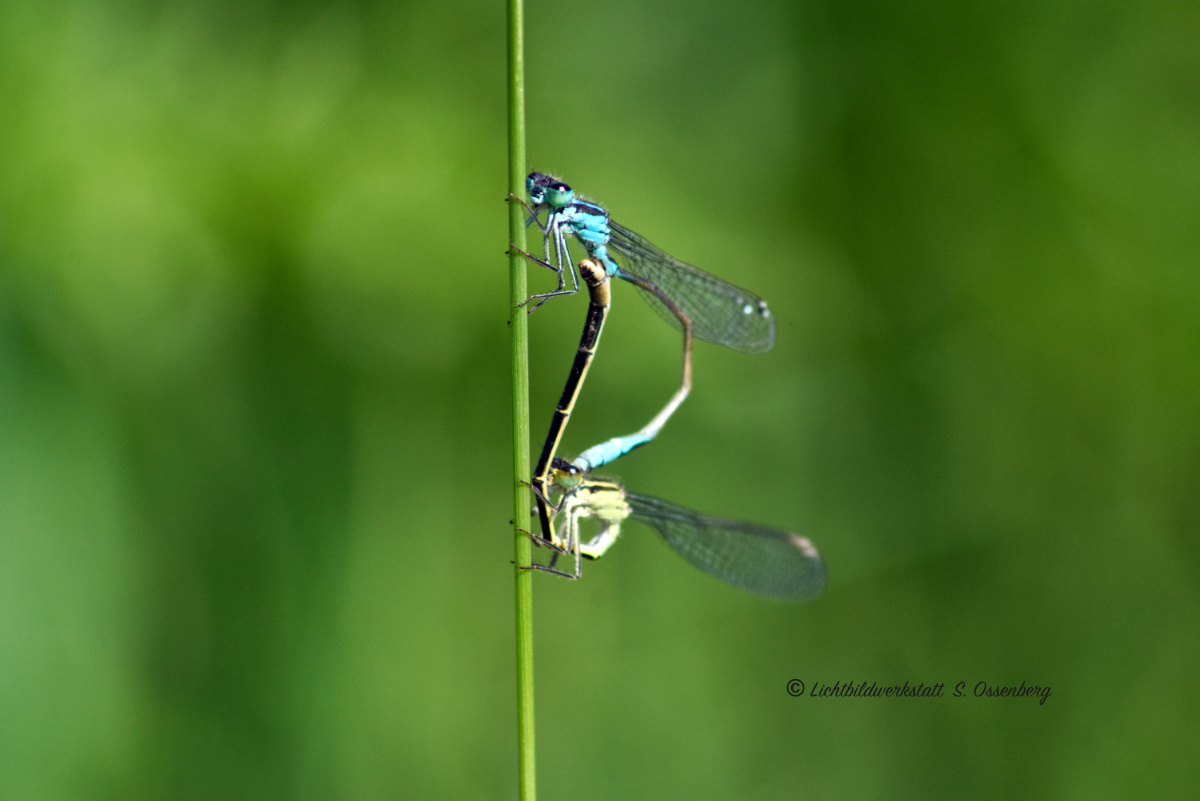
point(254, 411)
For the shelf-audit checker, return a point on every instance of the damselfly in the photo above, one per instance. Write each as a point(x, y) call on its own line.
point(698, 303)
point(763, 561)
point(719, 311)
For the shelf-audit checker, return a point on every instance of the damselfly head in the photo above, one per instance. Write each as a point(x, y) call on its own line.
point(565, 474)
point(543, 189)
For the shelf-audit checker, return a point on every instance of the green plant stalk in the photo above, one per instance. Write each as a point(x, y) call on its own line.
point(519, 335)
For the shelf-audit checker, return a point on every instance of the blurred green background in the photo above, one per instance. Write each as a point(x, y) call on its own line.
point(254, 401)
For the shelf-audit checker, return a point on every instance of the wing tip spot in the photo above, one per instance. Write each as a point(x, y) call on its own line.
point(804, 545)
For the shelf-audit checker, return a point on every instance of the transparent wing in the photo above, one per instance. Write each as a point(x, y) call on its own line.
point(720, 312)
point(764, 561)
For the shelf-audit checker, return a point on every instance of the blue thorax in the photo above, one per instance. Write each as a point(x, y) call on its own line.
point(586, 220)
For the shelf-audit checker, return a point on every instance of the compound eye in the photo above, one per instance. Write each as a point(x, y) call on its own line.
point(559, 194)
point(563, 466)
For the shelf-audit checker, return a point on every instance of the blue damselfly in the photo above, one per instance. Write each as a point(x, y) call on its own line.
point(696, 302)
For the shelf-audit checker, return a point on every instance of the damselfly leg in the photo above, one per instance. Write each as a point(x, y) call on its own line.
point(558, 262)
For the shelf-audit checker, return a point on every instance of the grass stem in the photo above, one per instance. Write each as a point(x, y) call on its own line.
point(519, 333)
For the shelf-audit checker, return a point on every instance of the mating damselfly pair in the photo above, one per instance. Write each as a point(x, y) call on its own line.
point(768, 562)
